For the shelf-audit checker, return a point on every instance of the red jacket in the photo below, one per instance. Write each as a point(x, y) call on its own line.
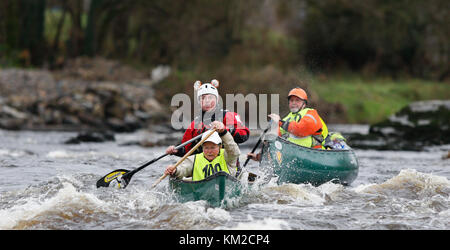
point(231, 120)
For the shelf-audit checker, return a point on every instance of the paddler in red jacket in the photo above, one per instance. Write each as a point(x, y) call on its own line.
point(208, 97)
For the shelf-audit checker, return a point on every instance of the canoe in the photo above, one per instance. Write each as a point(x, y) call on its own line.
point(214, 189)
point(296, 164)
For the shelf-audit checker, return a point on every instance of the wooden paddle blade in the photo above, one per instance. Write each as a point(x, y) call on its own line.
point(116, 177)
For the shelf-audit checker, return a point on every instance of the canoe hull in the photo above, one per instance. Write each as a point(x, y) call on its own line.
point(296, 164)
point(213, 189)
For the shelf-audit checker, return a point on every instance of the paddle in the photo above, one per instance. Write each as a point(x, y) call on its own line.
point(186, 156)
point(123, 176)
point(257, 144)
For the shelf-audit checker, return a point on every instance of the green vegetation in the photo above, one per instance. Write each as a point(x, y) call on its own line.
point(251, 46)
point(395, 38)
point(58, 24)
point(372, 100)
point(365, 99)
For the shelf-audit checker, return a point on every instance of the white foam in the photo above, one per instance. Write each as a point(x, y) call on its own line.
point(140, 199)
point(59, 154)
point(197, 212)
point(189, 215)
point(64, 154)
point(67, 196)
point(264, 224)
point(12, 153)
point(303, 193)
point(419, 183)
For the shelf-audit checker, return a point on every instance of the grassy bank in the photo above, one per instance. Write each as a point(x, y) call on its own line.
point(349, 98)
point(372, 100)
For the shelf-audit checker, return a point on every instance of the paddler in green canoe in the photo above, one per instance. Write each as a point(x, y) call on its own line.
point(302, 126)
point(213, 159)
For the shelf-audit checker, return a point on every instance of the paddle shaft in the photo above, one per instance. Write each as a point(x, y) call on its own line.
point(162, 156)
point(126, 175)
point(186, 156)
point(257, 144)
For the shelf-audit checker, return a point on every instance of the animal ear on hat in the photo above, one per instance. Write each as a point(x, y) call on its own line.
point(197, 85)
point(215, 83)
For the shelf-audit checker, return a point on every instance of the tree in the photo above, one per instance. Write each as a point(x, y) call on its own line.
point(22, 24)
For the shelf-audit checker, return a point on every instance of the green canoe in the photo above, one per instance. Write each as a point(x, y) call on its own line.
point(214, 189)
point(296, 164)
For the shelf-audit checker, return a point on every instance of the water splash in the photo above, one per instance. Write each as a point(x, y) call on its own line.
point(67, 204)
point(410, 184)
point(264, 224)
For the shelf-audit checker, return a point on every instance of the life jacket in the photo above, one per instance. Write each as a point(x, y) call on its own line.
point(335, 140)
point(204, 168)
point(312, 141)
point(232, 123)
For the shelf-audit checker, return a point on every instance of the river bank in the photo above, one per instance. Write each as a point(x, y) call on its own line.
point(370, 100)
point(85, 95)
point(99, 95)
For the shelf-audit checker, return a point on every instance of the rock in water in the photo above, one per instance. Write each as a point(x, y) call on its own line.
point(416, 126)
point(91, 137)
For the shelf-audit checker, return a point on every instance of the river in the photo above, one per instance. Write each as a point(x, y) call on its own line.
point(46, 184)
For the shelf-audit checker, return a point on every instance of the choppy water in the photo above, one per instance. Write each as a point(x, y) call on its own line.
point(46, 184)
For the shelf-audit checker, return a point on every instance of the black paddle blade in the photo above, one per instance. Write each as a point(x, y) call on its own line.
point(252, 177)
point(114, 177)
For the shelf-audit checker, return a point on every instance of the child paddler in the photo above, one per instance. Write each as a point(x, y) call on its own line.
point(213, 159)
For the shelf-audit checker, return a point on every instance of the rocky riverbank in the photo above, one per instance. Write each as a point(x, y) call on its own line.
point(415, 127)
point(85, 95)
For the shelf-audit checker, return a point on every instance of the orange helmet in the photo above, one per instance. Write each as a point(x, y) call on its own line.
point(298, 92)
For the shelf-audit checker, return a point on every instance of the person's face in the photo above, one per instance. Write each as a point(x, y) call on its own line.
point(210, 150)
point(208, 102)
point(296, 104)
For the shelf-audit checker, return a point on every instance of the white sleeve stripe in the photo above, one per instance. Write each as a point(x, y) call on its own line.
point(312, 117)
